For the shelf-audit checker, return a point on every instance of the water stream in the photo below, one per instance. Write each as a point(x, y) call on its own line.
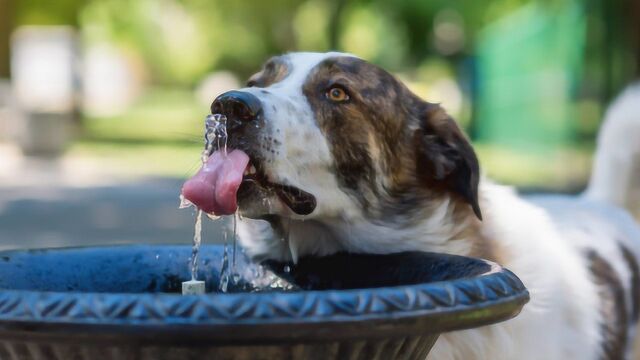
point(197, 240)
point(215, 138)
point(224, 267)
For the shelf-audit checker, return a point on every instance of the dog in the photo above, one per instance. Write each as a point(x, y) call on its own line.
point(329, 153)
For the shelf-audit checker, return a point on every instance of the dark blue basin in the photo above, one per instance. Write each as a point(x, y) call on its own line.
point(122, 303)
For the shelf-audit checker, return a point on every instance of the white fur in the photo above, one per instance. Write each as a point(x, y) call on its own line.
point(562, 320)
point(544, 239)
point(534, 240)
point(616, 174)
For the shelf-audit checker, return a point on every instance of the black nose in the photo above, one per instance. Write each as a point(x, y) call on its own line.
point(237, 105)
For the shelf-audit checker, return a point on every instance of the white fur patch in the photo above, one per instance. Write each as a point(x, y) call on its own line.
point(616, 170)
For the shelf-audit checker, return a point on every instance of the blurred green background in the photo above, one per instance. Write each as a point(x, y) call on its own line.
point(528, 79)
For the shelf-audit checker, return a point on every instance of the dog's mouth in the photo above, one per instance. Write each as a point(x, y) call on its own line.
point(298, 200)
point(228, 178)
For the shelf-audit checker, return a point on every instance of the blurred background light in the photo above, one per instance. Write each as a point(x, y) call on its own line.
point(102, 101)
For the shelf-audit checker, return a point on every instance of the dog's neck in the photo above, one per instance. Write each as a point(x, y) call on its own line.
point(450, 227)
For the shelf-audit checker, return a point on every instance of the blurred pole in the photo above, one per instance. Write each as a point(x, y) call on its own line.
point(334, 24)
point(6, 21)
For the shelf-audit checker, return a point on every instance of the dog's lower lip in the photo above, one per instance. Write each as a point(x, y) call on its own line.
point(299, 201)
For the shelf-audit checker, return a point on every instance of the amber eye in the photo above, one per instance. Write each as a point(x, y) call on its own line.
point(337, 94)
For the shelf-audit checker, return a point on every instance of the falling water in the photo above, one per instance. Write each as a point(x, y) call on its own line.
point(197, 239)
point(216, 139)
point(235, 276)
point(293, 252)
point(224, 267)
point(216, 126)
point(228, 272)
point(233, 263)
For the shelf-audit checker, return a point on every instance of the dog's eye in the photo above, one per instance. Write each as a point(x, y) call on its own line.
point(251, 83)
point(337, 94)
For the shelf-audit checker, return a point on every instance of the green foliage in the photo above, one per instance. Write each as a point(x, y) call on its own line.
point(183, 39)
point(47, 12)
point(171, 38)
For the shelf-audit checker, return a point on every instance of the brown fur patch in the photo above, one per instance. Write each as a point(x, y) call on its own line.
point(446, 158)
point(365, 133)
point(373, 140)
point(275, 69)
point(634, 269)
point(612, 307)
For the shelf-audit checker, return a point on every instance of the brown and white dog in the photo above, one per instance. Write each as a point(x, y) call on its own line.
point(338, 155)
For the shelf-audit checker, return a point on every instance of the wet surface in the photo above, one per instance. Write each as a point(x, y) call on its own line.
point(161, 268)
point(128, 269)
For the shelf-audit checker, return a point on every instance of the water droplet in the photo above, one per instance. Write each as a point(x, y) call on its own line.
point(184, 203)
point(212, 217)
point(215, 129)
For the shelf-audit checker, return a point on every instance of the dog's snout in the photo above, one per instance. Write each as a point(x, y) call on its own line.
point(238, 105)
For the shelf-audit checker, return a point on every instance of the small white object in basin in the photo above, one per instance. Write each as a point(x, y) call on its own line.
point(193, 287)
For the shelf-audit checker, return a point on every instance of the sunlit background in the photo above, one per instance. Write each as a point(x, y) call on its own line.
point(102, 101)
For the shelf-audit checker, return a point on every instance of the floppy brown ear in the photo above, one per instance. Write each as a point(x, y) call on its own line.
point(445, 158)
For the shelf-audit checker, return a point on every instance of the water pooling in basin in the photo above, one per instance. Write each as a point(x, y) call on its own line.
point(52, 297)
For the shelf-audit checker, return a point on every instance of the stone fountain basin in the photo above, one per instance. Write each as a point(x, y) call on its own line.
point(122, 302)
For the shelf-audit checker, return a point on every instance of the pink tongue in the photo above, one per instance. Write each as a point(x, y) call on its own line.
point(213, 189)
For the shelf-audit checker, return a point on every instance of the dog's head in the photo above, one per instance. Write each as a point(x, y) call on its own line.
point(332, 136)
